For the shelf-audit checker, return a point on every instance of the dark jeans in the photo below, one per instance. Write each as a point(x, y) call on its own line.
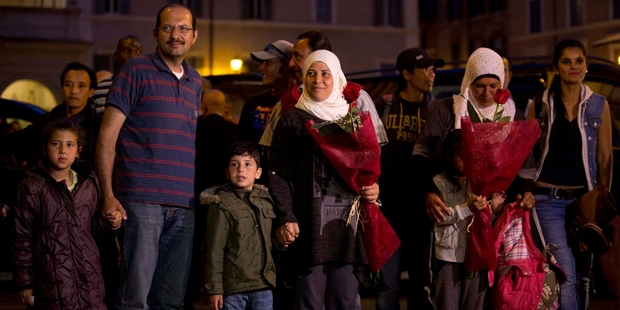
point(254, 300)
point(156, 249)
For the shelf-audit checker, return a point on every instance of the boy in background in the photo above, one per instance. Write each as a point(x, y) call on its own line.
point(239, 269)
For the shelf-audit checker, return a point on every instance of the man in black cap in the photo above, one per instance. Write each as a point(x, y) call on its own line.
point(258, 109)
point(403, 114)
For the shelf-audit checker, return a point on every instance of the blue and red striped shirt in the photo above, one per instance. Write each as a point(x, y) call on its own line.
point(155, 149)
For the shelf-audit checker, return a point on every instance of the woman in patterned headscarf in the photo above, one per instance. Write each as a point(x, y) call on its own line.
point(484, 75)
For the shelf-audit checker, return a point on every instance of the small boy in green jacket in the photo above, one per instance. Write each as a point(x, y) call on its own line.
point(239, 269)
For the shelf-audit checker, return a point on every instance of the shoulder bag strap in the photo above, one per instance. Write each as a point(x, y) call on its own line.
point(388, 105)
point(540, 233)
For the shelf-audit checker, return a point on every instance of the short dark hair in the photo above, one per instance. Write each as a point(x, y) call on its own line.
point(77, 67)
point(316, 40)
point(175, 5)
point(243, 148)
point(60, 124)
point(127, 37)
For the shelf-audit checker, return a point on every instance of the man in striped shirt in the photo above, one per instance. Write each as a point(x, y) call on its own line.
point(147, 142)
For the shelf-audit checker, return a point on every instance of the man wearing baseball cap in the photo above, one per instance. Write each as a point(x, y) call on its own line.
point(256, 111)
point(403, 114)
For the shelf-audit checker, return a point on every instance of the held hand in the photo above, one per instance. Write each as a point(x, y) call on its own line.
point(110, 205)
point(215, 302)
point(115, 220)
point(370, 193)
point(476, 203)
point(4, 211)
point(287, 233)
point(527, 200)
point(26, 297)
point(435, 207)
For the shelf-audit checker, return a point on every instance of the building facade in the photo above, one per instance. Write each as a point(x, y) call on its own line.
point(455, 28)
point(40, 37)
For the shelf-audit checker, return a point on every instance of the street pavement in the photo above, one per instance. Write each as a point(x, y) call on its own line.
point(9, 300)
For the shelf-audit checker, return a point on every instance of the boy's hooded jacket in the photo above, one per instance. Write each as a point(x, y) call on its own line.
point(52, 246)
point(237, 244)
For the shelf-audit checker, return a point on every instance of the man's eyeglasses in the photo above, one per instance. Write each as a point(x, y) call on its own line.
point(181, 29)
point(269, 46)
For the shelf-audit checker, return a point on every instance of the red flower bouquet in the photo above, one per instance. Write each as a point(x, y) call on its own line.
point(493, 153)
point(350, 144)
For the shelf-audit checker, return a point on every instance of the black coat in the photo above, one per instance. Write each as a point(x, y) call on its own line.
point(52, 246)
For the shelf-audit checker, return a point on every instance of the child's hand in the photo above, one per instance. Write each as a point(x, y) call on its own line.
point(215, 302)
point(26, 296)
point(497, 202)
point(476, 203)
point(287, 233)
point(114, 219)
point(4, 211)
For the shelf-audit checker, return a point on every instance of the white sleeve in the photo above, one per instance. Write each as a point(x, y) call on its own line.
point(365, 103)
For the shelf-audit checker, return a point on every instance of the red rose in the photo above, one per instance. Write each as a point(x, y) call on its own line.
point(502, 95)
point(351, 91)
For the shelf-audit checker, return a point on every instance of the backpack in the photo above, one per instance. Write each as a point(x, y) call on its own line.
point(521, 267)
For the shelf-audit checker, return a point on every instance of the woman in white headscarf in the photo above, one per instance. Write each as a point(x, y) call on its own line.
point(484, 75)
point(312, 201)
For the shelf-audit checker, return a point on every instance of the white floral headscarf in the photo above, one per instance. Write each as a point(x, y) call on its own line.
point(335, 106)
point(482, 61)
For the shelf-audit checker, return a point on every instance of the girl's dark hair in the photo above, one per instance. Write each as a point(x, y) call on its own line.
point(60, 124)
point(451, 145)
point(243, 148)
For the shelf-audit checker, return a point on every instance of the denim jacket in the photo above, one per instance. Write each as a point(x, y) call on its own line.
point(591, 108)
